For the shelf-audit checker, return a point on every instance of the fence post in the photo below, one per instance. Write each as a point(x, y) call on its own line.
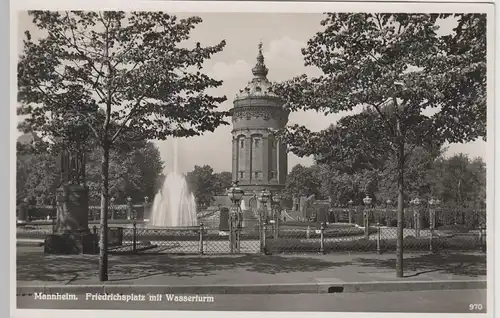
point(418, 223)
point(260, 233)
point(366, 224)
point(201, 238)
point(264, 244)
point(322, 238)
point(53, 226)
point(231, 234)
point(431, 249)
point(481, 239)
point(378, 237)
point(237, 233)
point(308, 232)
point(95, 244)
point(238, 240)
point(134, 238)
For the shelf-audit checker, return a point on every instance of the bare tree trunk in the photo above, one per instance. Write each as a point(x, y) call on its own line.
point(399, 242)
point(103, 243)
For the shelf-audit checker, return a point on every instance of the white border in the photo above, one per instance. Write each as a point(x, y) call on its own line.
point(267, 6)
point(254, 6)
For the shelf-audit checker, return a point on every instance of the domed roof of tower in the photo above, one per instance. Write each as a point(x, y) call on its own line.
point(259, 86)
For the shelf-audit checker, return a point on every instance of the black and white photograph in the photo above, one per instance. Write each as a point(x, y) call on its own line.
point(184, 157)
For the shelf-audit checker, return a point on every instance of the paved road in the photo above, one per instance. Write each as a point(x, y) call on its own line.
point(450, 301)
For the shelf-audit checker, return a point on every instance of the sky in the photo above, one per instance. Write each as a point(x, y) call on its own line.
point(283, 35)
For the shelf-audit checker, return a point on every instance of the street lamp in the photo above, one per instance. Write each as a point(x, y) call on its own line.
point(112, 203)
point(432, 213)
point(129, 208)
point(350, 203)
point(432, 220)
point(235, 194)
point(388, 203)
point(367, 201)
point(276, 200)
point(416, 215)
point(264, 197)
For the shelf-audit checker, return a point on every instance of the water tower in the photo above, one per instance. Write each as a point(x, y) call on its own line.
point(259, 160)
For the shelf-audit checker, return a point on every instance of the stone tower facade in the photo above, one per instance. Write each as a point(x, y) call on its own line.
point(259, 160)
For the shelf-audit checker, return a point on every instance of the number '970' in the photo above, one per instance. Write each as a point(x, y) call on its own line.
point(475, 307)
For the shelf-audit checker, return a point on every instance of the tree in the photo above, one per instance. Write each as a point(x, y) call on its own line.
point(125, 76)
point(147, 167)
point(134, 171)
point(303, 181)
point(342, 187)
point(224, 180)
point(478, 171)
point(460, 182)
point(398, 66)
point(36, 173)
point(203, 184)
point(418, 175)
point(36, 178)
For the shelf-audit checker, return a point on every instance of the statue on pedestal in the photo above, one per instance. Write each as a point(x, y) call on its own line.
point(71, 231)
point(72, 195)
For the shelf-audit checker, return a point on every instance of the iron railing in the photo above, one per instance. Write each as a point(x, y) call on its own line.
point(278, 238)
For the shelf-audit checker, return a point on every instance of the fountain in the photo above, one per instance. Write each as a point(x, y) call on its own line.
point(174, 204)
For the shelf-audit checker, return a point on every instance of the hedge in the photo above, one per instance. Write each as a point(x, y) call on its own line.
point(458, 243)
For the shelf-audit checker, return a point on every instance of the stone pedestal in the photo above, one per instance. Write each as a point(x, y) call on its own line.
point(224, 220)
point(72, 209)
point(71, 232)
point(115, 236)
point(146, 212)
point(320, 216)
point(71, 243)
point(22, 213)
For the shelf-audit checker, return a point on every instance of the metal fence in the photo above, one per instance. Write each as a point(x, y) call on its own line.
point(281, 239)
point(293, 236)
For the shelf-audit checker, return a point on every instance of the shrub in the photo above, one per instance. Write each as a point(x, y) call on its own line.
point(455, 228)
